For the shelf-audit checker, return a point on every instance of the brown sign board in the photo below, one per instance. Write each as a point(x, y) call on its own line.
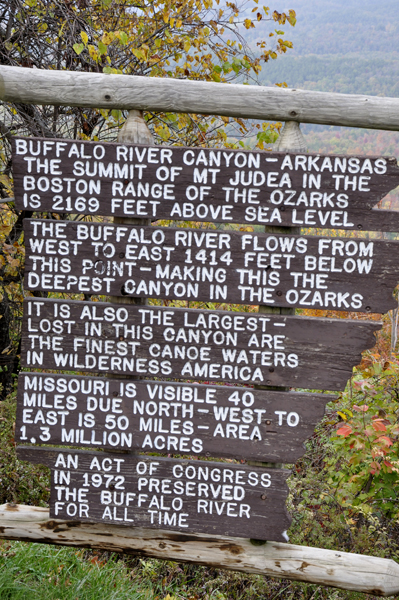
point(207, 345)
point(158, 416)
point(347, 274)
point(163, 493)
point(201, 184)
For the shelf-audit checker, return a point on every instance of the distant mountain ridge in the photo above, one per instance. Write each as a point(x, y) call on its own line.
point(344, 26)
point(349, 46)
point(374, 73)
point(346, 46)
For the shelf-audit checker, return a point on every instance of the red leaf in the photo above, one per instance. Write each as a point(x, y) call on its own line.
point(387, 441)
point(362, 408)
point(378, 425)
point(345, 430)
point(375, 466)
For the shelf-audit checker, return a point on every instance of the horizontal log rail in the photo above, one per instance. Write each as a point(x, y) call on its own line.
point(372, 575)
point(97, 90)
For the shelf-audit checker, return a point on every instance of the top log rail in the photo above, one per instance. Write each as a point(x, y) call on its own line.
point(97, 90)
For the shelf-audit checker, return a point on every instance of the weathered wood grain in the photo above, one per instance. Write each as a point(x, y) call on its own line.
point(149, 491)
point(278, 350)
point(138, 181)
point(237, 267)
point(71, 88)
point(204, 420)
point(343, 570)
point(134, 130)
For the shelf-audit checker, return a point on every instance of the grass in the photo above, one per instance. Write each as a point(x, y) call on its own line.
point(41, 572)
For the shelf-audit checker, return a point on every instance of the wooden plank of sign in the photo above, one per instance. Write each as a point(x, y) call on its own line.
point(245, 268)
point(156, 416)
point(179, 495)
point(217, 346)
point(202, 184)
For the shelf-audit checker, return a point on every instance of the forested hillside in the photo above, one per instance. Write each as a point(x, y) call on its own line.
point(342, 46)
point(344, 26)
point(372, 73)
point(350, 47)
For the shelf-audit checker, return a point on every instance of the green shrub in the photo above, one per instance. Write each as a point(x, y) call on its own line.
point(20, 482)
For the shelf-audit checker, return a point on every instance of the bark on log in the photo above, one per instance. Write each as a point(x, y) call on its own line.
point(67, 88)
point(368, 574)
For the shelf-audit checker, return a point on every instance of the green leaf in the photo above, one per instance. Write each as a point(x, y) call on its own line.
point(102, 48)
point(78, 48)
point(268, 136)
point(123, 38)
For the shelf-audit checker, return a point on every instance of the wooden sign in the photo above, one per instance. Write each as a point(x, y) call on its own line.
point(217, 346)
point(161, 493)
point(192, 264)
point(157, 416)
point(201, 184)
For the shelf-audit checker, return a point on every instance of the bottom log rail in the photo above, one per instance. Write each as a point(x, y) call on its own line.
point(355, 572)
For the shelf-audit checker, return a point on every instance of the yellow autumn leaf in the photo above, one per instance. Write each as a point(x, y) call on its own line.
point(84, 36)
point(93, 52)
point(145, 49)
point(107, 38)
point(138, 54)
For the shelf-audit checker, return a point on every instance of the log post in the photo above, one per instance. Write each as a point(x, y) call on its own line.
point(133, 131)
point(290, 140)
